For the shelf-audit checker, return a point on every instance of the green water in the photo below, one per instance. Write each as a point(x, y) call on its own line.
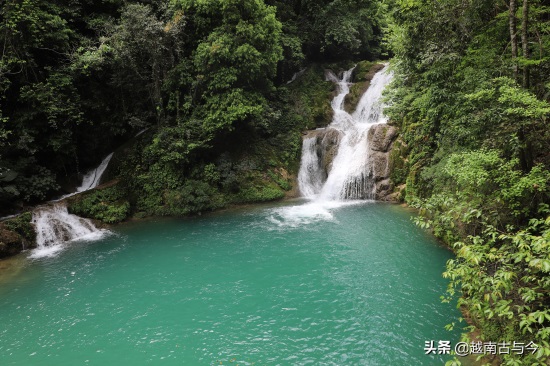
point(354, 285)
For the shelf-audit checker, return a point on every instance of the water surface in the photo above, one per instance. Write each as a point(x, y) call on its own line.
point(307, 284)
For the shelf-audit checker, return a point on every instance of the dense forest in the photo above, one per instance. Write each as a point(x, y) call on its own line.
point(195, 94)
point(472, 103)
point(79, 78)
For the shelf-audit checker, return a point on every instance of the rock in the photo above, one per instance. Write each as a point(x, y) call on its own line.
point(327, 143)
point(381, 136)
point(10, 242)
point(327, 140)
point(17, 234)
point(380, 141)
point(397, 194)
point(378, 161)
point(384, 190)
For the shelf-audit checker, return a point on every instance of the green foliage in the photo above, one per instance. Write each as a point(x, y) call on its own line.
point(27, 181)
point(283, 183)
point(475, 161)
point(309, 95)
point(108, 205)
point(504, 281)
point(398, 165)
point(167, 192)
point(22, 225)
point(334, 29)
point(500, 270)
point(76, 80)
point(261, 192)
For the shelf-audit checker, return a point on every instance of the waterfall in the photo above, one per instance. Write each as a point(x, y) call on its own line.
point(54, 226)
point(352, 171)
point(93, 177)
point(310, 174)
point(90, 179)
point(296, 75)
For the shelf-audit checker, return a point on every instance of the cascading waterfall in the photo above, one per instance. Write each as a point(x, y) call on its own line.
point(93, 177)
point(54, 225)
point(352, 172)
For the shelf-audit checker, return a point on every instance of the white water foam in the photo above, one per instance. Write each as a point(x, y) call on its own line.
point(308, 213)
point(55, 227)
point(310, 175)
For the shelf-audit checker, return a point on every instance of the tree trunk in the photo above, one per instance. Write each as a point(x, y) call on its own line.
point(513, 37)
point(525, 41)
point(526, 156)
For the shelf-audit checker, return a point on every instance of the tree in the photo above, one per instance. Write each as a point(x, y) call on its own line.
point(235, 59)
point(145, 48)
point(513, 37)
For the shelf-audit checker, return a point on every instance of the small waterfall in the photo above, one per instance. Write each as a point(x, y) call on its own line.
point(296, 75)
point(93, 177)
point(310, 178)
point(54, 226)
point(352, 172)
point(90, 179)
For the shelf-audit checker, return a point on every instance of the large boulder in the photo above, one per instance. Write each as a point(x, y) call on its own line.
point(381, 137)
point(10, 242)
point(380, 141)
point(326, 142)
point(16, 234)
point(378, 162)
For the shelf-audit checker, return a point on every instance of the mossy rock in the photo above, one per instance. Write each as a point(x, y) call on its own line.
point(11, 243)
point(362, 76)
point(16, 235)
point(22, 225)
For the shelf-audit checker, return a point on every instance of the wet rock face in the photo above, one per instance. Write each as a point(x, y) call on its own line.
point(380, 140)
point(379, 164)
point(328, 145)
point(381, 137)
point(327, 140)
